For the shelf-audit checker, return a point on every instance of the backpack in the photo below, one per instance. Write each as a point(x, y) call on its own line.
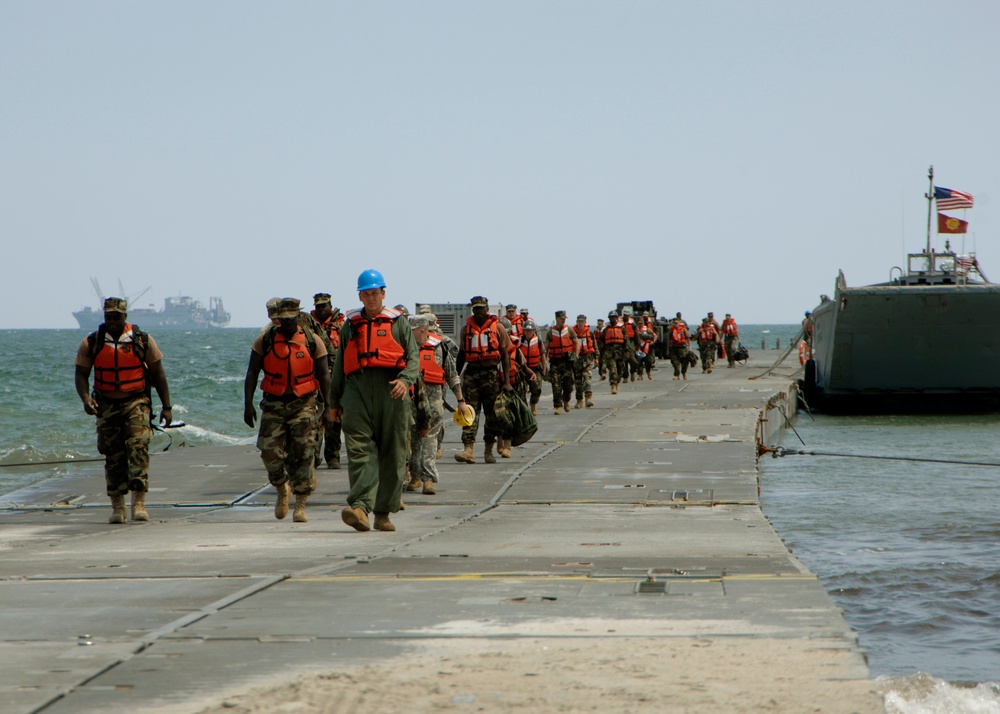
point(514, 418)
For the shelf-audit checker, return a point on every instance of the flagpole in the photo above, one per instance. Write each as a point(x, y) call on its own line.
point(930, 197)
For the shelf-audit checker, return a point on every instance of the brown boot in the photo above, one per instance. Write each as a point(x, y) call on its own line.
point(633, 376)
point(640, 376)
point(139, 506)
point(488, 454)
point(414, 484)
point(590, 400)
point(503, 448)
point(558, 411)
point(579, 404)
point(334, 463)
point(439, 454)
point(299, 514)
point(566, 406)
point(356, 518)
point(281, 505)
point(534, 409)
point(466, 457)
point(117, 509)
point(382, 522)
point(429, 488)
point(614, 389)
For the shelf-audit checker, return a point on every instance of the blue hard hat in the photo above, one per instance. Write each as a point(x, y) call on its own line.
point(370, 279)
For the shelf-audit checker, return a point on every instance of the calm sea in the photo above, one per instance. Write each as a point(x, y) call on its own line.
point(909, 550)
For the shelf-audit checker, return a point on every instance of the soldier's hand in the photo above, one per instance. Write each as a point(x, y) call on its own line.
point(166, 416)
point(533, 377)
point(338, 413)
point(507, 387)
point(398, 389)
point(90, 406)
point(329, 416)
point(249, 415)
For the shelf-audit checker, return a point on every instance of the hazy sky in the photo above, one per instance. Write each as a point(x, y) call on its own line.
point(725, 156)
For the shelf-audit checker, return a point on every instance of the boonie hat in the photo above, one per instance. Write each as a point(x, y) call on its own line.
point(272, 307)
point(113, 304)
point(560, 313)
point(320, 298)
point(419, 321)
point(288, 307)
point(479, 300)
point(423, 309)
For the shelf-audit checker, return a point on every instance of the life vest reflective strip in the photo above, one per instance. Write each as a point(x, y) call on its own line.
point(289, 366)
point(372, 343)
point(430, 370)
point(516, 325)
point(803, 352)
point(117, 366)
point(614, 335)
point(482, 344)
point(707, 335)
point(532, 351)
point(729, 327)
point(560, 343)
point(586, 340)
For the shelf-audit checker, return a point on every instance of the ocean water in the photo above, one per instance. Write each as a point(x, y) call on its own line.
point(909, 550)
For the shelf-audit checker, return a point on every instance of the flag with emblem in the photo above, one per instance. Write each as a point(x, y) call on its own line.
point(949, 224)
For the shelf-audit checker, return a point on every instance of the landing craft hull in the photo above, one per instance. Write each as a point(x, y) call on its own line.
point(907, 348)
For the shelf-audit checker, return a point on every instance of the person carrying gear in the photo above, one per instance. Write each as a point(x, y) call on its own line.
point(377, 365)
point(585, 364)
point(679, 339)
point(483, 352)
point(126, 364)
point(563, 350)
point(535, 360)
point(731, 338)
point(708, 340)
point(296, 384)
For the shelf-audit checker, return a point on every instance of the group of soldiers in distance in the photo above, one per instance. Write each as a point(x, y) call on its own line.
point(375, 378)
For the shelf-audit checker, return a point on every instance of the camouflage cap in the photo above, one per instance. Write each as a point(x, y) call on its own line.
point(113, 304)
point(560, 313)
point(272, 307)
point(420, 321)
point(511, 307)
point(524, 311)
point(581, 317)
point(612, 313)
point(288, 307)
point(479, 300)
point(600, 321)
point(320, 298)
point(423, 309)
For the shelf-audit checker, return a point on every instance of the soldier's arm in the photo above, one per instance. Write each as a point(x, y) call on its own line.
point(250, 386)
point(460, 358)
point(81, 377)
point(159, 380)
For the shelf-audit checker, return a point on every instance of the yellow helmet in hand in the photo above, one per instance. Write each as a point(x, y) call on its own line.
point(464, 417)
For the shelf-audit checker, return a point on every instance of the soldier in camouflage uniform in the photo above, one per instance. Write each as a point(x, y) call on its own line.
point(533, 350)
point(450, 347)
point(126, 363)
point(585, 363)
point(563, 349)
point(296, 383)
point(327, 326)
point(436, 365)
point(599, 349)
point(483, 352)
point(614, 350)
point(679, 340)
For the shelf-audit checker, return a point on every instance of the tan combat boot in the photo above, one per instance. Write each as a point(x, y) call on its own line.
point(579, 404)
point(488, 454)
point(281, 505)
point(117, 509)
point(356, 518)
point(466, 457)
point(414, 484)
point(439, 453)
point(614, 389)
point(503, 448)
point(139, 506)
point(534, 410)
point(382, 522)
point(299, 514)
point(640, 376)
point(566, 406)
point(429, 488)
point(590, 400)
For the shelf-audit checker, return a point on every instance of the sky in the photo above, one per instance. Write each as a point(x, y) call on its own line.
point(720, 155)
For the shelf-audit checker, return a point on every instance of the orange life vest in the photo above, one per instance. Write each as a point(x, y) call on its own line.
point(332, 331)
point(707, 334)
point(679, 335)
point(430, 370)
point(512, 354)
point(630, 328)
point(117, 366)
point(532, 351)
point(289, 366)
point(729, 326)
point(482, 344)
point(516, 325)
point(586, 340)
point(614, 335)
point(372, 343)
point(560, 343)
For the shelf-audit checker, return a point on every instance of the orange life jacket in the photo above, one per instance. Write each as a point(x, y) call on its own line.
point(630, 328)
point(512, 354)
point(332, 331)
point(119, 365)
point(430, 370)
point(372, 343)
point(729, 326)
point(560, 343)
point(679, 335)
point(707, 334)
point(289, 366)
point(532, 351)
point(586, 340)
point(482, 344)
point(614, 335)
point(516, 325)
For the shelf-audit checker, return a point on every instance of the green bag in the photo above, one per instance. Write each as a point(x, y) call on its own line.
point(514, 418)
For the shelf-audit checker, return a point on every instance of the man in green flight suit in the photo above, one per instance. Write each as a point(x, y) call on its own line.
point(376, 366)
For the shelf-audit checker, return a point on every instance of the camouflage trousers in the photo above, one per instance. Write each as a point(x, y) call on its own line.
point(679, 359)
point(707, 353)
point(613, 356)
point(481, 387)
point(287, 442)
point(561, 376)
point(731, 342)
point(535, 388)
point(423, 449)
point(123, 435)
point(581, 376)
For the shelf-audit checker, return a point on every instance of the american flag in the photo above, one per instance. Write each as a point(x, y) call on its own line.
point(949, 199)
